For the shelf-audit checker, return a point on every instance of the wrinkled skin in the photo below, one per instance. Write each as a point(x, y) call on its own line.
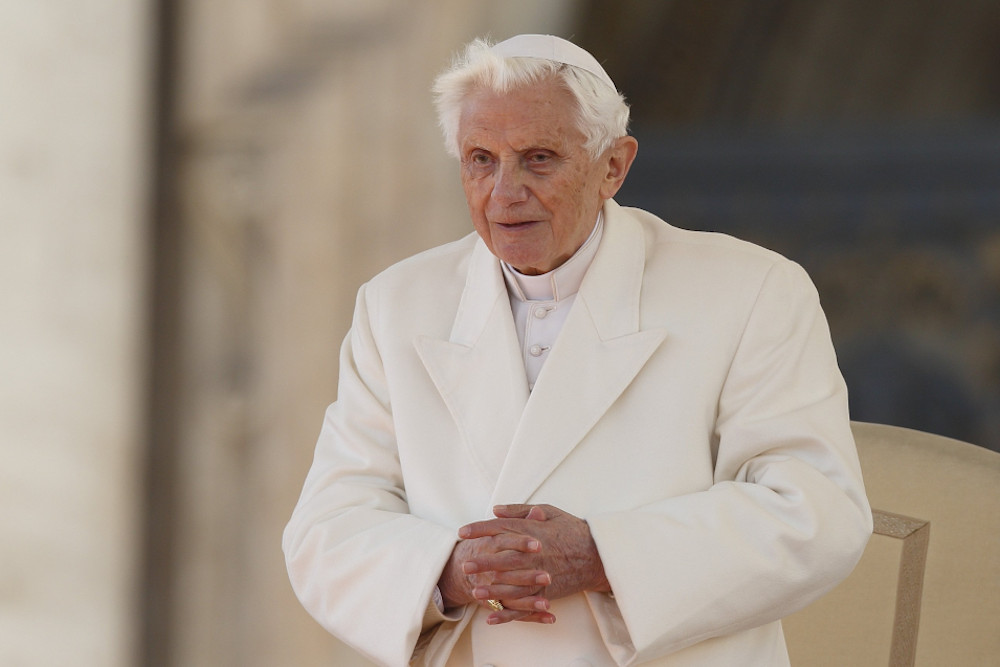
point(532, 188)
point(526, 557)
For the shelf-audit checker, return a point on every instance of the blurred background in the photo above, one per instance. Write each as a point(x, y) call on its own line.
point(191, 192)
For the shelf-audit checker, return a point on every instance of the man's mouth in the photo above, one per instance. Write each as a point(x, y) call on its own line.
point(517, 225)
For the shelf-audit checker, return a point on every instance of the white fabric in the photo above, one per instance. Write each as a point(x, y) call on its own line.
point(692, 412)
point(550, 47)
point(541, 303)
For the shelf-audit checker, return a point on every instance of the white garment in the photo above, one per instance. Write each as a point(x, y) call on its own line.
point(691, 411)
point(541, 303)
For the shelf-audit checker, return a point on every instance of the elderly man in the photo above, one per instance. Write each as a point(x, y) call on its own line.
point(578, 436)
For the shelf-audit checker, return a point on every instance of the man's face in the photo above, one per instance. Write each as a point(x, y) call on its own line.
point(533, 191)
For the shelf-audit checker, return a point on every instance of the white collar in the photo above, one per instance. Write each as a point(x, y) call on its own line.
point(561, 282)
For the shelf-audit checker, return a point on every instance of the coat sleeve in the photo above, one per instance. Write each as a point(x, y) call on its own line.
point(359, 562)
point(786, 518)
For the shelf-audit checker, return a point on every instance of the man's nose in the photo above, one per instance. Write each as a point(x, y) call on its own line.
point(508, 184)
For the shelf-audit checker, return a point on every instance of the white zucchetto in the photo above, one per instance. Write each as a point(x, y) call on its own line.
point(550, 47)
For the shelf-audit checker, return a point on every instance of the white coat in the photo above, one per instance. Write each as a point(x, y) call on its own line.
point(691, 411)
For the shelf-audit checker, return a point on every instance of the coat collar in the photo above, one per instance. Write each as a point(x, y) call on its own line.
point(515, 440)
point(478, 371)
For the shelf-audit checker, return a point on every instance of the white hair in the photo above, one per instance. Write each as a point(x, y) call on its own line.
point(602, 114)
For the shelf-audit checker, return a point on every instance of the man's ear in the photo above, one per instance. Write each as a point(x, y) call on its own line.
point(619, 160)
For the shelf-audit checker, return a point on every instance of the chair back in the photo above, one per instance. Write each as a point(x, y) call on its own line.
point(927, 589)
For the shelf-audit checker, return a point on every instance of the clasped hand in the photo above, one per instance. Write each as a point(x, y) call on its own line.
point(526, 557)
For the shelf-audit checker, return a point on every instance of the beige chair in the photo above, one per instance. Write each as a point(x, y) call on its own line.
point(927, 590)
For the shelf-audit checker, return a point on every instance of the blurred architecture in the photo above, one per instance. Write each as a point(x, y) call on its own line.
point(859, 138)
point(74, 160)
point(191, 192)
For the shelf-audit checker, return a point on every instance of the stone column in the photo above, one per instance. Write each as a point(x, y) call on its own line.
point(73, 198)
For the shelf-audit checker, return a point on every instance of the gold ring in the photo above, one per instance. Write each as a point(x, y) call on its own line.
point(495, 605)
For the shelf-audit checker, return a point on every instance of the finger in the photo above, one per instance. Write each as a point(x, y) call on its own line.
point(537, 514)
point(509, 585)
point(525, 598)
point(505, 561)
point(539, 617)
point(505, 616)
point(508, 615)
point(521, 599)
point(511, 511)
point(525, 578)
point(502, 542)
point(488, 528)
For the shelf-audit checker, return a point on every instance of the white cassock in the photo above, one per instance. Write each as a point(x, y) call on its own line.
point(690, 409)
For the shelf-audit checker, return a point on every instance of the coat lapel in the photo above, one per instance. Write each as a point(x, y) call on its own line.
point(478, 371)
point(597, 354)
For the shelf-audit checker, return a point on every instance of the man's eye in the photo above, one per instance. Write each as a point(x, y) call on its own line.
point(539, 158)
point(480, 159)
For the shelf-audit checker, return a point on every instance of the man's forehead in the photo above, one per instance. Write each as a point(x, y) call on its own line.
point(548, 96)
point(521, 118)
point(520, 137)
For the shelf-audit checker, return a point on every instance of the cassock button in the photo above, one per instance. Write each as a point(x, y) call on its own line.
point(541, 312)
point(535, 350)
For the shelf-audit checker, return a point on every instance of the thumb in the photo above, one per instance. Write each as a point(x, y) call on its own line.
point(537, 513)
point(512, 511)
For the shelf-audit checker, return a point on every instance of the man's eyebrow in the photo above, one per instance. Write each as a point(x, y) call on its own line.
point(470, 146)
point(547, 147)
